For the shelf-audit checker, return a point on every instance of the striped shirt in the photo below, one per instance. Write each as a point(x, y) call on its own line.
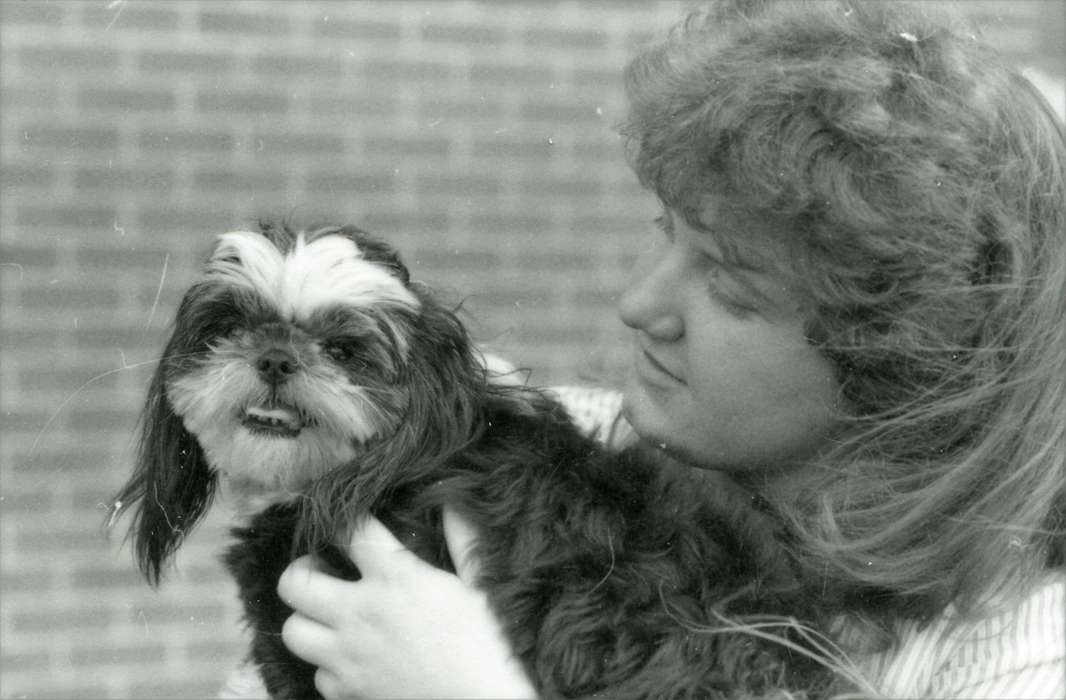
point(1018, 652)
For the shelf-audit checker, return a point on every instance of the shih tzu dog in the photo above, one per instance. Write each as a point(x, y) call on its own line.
point(313, 376)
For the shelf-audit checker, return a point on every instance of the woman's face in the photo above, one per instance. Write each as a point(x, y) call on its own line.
point(723, 376)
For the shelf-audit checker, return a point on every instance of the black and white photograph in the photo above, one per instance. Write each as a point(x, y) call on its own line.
point(626, 349)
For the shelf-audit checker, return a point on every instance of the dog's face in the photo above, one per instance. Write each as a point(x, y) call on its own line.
point(302, 364)
point(297, 341)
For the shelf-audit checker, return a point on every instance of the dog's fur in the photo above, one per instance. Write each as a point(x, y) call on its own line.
point(612, 574)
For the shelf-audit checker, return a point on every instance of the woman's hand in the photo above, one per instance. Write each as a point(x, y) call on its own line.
point(406, 629)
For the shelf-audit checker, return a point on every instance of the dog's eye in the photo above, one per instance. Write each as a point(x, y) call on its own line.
point(339, 352)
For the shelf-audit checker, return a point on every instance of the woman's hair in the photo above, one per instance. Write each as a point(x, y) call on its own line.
point(922, 180)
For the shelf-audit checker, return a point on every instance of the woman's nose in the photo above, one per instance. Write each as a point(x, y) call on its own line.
point(649, 303)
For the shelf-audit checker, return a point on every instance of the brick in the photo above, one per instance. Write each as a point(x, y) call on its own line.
point(168, 613)
point(31, 340)
point(144, 652)
point(299, 143)
point(455, 260)
point(61, 57)
point(31, 95)
point(163, 61)
point(493, 225)
point(567, 261)
point(61, 459)
point(354, 183)
point(242, 102)
point(373, 105)
point(81, 216)
point(130, 16)
point(560, 187)
point(563, 112)
point(289, 66)
point(27, 502)
point(55, 540)
point(635, 39)
point(47, 13)
point(97, 576)
point(56, 296)
point(83, 617)
point(25, 176)
point(51, 685)
point(195, 687)
point(597, 78)
point(409, 222)
point(260, 23)
point(28, 255)
point(196, 224)
point(397, 147)
point(117, 337)
point(457, 185)
point(569, 39)
point(96, 259)
point(513, 150)
point(467, 34)
point(26, 581)
point(123, 179)
point(26, 661)
point(74, 138)
point(414, 71)
point(208, 650)
point(101, 418)
point(182, 140)
point(233, 180)
point(354, 30)
point(126, 100)
point(510, 74)
point(459, 110)
point(599, 152)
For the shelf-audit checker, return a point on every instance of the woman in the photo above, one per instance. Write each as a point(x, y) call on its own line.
point(856, 309)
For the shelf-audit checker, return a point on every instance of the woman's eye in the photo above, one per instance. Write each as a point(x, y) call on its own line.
point(736, 308)
point(718, 287)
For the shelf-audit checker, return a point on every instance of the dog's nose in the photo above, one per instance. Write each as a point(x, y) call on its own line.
point(276, 366)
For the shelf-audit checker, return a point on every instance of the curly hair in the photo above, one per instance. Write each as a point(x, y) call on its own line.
point(921, 179)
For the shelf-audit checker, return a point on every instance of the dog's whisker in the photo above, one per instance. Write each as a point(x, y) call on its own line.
point(158, 292)
point(610, 569)
point(74, 394)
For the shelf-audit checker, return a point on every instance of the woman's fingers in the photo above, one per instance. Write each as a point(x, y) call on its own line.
point(310, 591)
point(462, 540)
point(376, 551)
point(327, 684)
point(312, 641)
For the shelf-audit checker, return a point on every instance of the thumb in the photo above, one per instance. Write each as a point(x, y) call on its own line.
point(461, 538)
point(375, 550)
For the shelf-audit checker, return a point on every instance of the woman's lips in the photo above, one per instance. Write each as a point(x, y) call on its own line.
point(659, 368)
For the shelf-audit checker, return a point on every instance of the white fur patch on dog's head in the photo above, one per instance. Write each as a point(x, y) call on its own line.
point(325, 271)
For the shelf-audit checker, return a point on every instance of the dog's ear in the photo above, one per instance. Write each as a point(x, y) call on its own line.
point(444, 386)
point(379, 252)
point(171, 485)
point(445, 380)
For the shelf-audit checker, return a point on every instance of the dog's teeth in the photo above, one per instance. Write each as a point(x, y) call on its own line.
point(274, 417)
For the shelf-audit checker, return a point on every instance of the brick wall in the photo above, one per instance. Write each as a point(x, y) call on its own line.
point(478, 137)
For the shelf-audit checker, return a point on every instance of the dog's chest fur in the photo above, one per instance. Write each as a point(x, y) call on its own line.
point(601, 568)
